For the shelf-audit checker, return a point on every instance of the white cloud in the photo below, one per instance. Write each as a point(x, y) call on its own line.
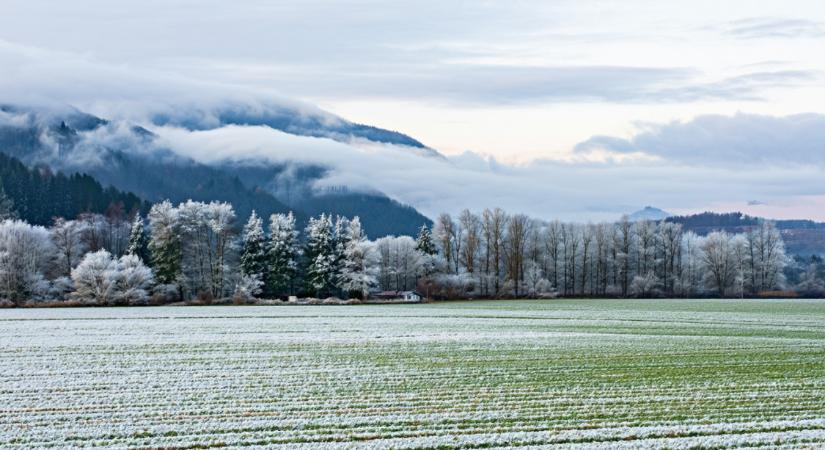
point(548, 189)
point(727, 141)
point(461, 66)
point(768, 27)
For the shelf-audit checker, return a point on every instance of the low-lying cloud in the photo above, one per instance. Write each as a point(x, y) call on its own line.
point(548, 189)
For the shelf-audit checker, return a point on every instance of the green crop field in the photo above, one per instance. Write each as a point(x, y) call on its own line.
point(492, 374)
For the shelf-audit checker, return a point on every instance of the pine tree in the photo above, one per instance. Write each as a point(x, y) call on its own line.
point(6, 205)
point(339, 244)
point(424, 243)
point(426, 247)
point(253, 251)
point(282, 254)
point(320, 255)
point(164, 243)
point(355, 276)
point(138, 241)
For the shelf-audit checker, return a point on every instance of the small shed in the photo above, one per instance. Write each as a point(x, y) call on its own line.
point(411, 296)
point(407, 296)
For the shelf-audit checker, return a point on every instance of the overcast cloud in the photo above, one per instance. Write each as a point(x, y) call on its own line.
point(570, 109)
point(749, 140)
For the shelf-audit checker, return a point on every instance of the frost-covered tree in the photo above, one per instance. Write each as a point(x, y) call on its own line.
point(739, 247)
point(623, 244)
point(355, 273)
point(339, 246)
point(253, 248)
point(645, 237)
point(586, 259)
point(669, 243)
point(429, 253)
point(445, 233)
point(26, 252)
point(282, 254)
point(570, 243)
point(95, 279)
point(604, 264)
point(518, 228)
point(133, 281)
point(645, 285)
point(398, 262)
point(247, 288)
point(470, 226)
point(766, 258)
point(810, 282)
point(165, 242)
point(100, 279)
point(552, 248)
point(67, 236)
point(690, 277)
point(719, 263)
point(138, 240)
point(207, 232)
point(493, 223)
point(117, 230)
point(320, 254)
point(424, 243)
point(534, 281)
point(94, 231)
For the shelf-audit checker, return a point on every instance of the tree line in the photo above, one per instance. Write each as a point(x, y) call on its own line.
point(198, 250)
point(496, 254)
point(37, 195)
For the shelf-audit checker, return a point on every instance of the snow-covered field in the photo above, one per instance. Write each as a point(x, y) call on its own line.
point(548, 374)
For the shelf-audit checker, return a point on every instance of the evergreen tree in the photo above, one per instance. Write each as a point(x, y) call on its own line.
point(320, 252)
point(138, 241)
point(355, 274)
point(38, 195)
point(253, 251)
point(6, 205)
point(282, 254)
point(339, 244)
point(164, 243)
point(424, 243)
point(426, 247)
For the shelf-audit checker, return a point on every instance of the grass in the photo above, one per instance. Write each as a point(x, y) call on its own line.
point(565, 373)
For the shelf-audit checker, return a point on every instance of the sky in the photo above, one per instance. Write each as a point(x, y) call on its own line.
point(585, 108)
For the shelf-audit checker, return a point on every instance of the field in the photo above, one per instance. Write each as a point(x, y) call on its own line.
point(565, 374)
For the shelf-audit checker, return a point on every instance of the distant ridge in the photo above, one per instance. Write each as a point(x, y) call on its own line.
point(649, 213)
point(802, 236)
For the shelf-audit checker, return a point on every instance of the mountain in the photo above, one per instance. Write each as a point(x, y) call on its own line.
point(649, 213)
point(802, 237)
point(57, 139)
point(131, 158)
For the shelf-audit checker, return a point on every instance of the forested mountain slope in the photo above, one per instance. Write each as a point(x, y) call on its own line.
point(129, 157)
point(39, 194)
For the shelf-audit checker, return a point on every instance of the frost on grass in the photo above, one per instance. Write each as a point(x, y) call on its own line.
point(546, 374)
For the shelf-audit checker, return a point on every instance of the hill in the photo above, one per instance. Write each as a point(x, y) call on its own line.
point(649, 213)
point(802, 237)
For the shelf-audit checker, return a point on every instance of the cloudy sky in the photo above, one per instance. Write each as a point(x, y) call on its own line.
point(591, 108)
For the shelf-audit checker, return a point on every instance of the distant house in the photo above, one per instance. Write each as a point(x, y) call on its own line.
point(409, 296)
